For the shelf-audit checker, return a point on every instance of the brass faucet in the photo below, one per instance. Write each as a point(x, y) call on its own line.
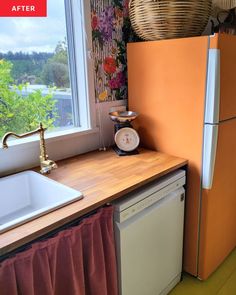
point(45, 164)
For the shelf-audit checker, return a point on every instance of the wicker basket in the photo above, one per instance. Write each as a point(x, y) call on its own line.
point(166, 19)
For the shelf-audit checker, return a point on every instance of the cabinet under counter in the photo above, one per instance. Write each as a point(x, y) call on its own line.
point(101, 177)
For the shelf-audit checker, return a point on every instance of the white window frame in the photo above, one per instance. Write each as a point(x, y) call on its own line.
point(80, 60)
point(78, 15)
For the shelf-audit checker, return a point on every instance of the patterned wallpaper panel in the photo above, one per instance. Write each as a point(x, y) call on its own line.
point(110, 31)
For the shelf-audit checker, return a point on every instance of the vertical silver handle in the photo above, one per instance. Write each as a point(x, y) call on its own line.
point(209, 155)
point(213, 87)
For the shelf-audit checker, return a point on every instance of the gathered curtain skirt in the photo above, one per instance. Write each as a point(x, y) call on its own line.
point(77, 261)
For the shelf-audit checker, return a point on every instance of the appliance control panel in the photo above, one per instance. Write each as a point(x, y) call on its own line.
point(148, 201)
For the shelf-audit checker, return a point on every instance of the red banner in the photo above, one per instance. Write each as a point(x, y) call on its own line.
point(21, 8)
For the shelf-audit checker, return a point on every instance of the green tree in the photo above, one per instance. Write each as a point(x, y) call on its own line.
point(55, 71)
point(61, 55)
point(20, 113)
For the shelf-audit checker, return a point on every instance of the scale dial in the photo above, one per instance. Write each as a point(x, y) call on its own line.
point(127, 139)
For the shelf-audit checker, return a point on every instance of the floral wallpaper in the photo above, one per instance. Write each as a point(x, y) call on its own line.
point(110, 32)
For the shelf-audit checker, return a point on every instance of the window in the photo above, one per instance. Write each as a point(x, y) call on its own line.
point(44, 70)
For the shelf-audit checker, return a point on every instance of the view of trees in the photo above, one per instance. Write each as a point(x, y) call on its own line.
point(27, 67)
point(40, 67)
point(21, 109)
point(55, 71)
point(22, 113)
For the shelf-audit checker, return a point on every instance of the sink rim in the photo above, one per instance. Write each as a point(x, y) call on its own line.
point(45, 209)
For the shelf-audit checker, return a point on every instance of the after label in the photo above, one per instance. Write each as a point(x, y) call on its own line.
point(23, 8)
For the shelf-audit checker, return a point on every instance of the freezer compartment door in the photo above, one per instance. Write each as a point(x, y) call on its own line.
point(227, 46)
point(221, 86)
point(209, 154)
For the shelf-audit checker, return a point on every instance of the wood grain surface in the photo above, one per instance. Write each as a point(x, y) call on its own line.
point(102, 177)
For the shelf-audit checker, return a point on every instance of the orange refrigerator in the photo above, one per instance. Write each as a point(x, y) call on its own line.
point(185, 93)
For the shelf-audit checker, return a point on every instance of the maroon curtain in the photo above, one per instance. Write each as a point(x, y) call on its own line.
point(77, 261)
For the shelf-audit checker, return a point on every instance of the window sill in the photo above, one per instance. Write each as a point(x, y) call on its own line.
point(51, 137)
point(23, 155)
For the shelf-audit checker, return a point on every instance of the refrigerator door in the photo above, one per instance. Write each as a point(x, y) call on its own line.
point(218, 204)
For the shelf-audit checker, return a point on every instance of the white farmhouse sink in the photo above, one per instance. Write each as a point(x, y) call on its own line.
point(27, 195)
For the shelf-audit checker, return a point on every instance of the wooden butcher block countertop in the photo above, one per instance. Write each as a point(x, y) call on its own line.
point(102, 177)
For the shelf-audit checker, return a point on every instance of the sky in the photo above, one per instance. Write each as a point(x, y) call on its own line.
point(38, 34)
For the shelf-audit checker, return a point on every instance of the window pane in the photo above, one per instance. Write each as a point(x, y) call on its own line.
point(34, 72)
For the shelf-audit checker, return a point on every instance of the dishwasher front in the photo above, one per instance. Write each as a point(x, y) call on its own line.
point(149, 236)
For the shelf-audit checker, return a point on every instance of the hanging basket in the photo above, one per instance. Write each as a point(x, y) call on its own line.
point(166, 19)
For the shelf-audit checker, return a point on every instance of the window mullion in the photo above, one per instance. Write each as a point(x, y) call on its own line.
point(72, 62)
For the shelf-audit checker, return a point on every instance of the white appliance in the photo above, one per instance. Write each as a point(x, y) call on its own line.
point(149, 236)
